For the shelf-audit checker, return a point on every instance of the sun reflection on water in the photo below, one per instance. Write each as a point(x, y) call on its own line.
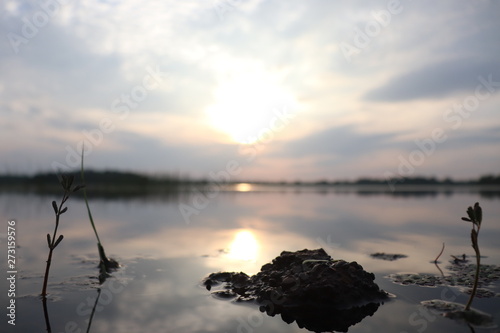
point(244, 246)
point(243, 187)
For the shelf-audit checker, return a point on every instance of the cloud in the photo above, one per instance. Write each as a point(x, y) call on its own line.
point(66, 78)
point(134, 151)
point(342, 141)
point(436, 80)
point(487, 136)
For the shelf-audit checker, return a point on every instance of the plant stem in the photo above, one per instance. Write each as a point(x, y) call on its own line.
point(87, 202)
point(90, 213)
point(476, 279)
point(105, 263)
point(46, 278)
point(439, 255)
point(66, 182)
point(46, 315)
point(93, 309)
point(52, 244)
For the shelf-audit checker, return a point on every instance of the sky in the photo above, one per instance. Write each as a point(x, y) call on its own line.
point(252, 89)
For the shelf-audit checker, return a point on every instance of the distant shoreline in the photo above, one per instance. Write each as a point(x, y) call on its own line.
point(117, 183)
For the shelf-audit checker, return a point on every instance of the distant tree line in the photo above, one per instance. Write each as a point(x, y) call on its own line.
point(483, 180)
point(119, 183)
point(123, 179)
point(490, 179)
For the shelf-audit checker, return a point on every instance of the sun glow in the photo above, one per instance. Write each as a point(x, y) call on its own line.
point(244, 106)
point(244, 246)
point(243, 187)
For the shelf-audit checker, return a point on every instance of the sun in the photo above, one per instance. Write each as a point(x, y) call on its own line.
point(244, 106)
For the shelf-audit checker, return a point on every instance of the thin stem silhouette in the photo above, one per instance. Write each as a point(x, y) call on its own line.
point(475, 217)
point(66, 183)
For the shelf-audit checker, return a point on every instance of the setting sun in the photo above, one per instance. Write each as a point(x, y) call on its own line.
point(244, 106)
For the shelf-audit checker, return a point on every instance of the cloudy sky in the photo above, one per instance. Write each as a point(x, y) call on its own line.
point(258, 89)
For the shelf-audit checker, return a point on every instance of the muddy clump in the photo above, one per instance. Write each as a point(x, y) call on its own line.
point(388, 256)
point(309, 287)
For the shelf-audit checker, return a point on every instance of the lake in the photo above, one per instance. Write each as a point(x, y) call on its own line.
point(165, 255)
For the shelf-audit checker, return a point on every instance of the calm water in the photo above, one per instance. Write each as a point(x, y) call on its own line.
point(164, 258)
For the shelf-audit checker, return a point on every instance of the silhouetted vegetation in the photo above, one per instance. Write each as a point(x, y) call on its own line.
point(66, 181)
point(102, 183)
point(130, 184)
point(489, 180)
point(106, 265)
point(475, 216)
point(419, 180)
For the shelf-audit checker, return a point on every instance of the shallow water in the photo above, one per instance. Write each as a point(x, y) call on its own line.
point(165, 258)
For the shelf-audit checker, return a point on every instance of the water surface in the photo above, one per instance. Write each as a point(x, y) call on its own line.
point(165, 256)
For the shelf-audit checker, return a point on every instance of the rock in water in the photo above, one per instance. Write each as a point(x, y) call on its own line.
point(309, 287)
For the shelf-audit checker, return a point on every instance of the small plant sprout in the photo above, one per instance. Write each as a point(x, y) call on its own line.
point(436, 262)
point(106, 265)
point(66, 183)
point(439, 255)
point(457, 311)
point(475, 217)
